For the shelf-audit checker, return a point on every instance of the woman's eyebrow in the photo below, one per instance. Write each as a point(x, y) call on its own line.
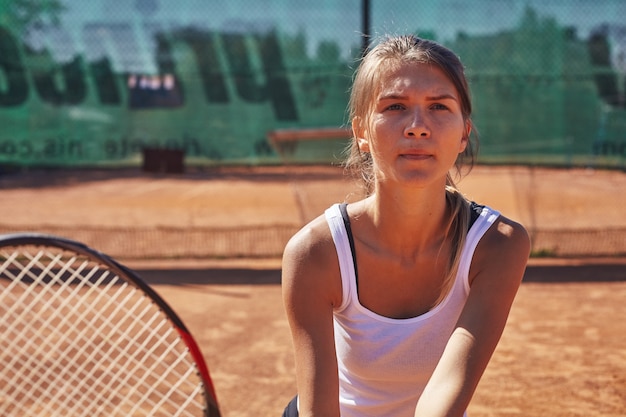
point(444, 96)
point(393, 96)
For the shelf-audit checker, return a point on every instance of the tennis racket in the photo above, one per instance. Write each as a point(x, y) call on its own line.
point(82, 335)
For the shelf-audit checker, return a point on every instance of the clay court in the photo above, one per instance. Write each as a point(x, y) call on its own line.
point(563, 352)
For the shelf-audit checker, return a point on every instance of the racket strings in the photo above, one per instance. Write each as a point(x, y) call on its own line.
point(32, 341)
point(52, 328)
point(110, 351)
point(43, 326)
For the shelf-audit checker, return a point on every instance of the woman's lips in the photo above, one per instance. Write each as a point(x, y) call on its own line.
point(416, 156)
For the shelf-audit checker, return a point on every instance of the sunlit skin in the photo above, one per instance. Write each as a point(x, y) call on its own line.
point(416, 130)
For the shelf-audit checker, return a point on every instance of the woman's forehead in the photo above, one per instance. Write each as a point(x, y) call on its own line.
point(415, 77)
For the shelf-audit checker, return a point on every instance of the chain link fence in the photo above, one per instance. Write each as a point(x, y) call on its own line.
point(105, 82)
point(96, 83)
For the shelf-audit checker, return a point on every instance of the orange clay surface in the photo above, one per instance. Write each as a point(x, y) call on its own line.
point(563, 352)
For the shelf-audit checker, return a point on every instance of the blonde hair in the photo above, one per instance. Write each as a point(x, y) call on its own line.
point(387, 55)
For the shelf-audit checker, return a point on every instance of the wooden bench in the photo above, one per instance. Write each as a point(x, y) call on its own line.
point(285, 141)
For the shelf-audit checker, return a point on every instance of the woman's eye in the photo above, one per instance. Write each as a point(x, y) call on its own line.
point(395, 107)
point(439, 106)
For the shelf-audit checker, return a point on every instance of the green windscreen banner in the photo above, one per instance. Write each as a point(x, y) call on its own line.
point(96, 83)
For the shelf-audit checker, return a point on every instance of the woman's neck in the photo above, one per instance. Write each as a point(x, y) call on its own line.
point(412, 220)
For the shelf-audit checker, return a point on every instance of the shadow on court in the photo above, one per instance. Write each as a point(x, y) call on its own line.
point(206, 276)
point(606, 271)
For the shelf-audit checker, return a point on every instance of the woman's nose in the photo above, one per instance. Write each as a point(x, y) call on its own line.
point(416, 126)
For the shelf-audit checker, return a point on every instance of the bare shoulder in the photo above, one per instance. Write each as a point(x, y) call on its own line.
point(313, 244)
point(309, 265)
point(507, 235)
point(503, 251)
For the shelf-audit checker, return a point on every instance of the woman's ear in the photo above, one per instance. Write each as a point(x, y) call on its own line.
point(466, 135)
point(468, 128)
point(359, 135)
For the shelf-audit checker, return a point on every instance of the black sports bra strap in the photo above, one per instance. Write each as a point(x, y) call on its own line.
point(475, 210)
point(346, 221)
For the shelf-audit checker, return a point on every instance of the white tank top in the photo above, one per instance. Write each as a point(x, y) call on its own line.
point(384, 363)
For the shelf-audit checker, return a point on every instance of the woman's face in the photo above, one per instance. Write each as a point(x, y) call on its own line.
point(416, 128)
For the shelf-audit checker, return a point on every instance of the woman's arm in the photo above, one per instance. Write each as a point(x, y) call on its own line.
point(496, 273)
point(311, 288)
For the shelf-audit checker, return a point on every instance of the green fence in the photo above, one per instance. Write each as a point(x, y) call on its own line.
point(96, 83)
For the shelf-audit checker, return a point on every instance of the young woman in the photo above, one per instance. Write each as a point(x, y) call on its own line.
point(396, 302)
